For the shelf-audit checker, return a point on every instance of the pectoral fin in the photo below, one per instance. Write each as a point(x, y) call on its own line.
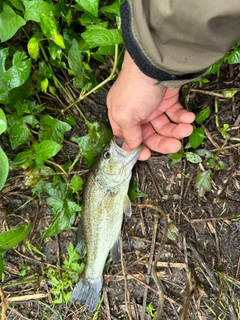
point(127, 206)
point(116, 250)
point(80, 241)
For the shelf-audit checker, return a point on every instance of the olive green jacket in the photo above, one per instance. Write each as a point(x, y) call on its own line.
point(175, 41)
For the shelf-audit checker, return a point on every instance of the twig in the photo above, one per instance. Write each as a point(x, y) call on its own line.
point(213, 219)
point(106, 302)
point(157, 258)
point(27, 297)
point(210, 93)
point(149, 268)
point(100, 85)
point(127, 295)
point(4, 304)
point(189, 289)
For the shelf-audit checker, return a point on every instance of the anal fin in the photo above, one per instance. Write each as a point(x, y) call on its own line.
point(127, 209)
point(116, 250)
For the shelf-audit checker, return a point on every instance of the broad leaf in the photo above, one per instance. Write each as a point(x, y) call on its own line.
point(3, 122)
point(64, 212)
point(193, 157)
point(234, 56)
point(48, 24)
point(197, 137)
point(102, 37)
point(75, 63)
point(134, 192)
point(12, 237)
point(113, 8)
point(10, 22)
point(34, 8)
point(203, 115)
point(15, 76)
point(203, 182)
point(4, 168)
point(33, 45)
point(76, 183)
point(52, 129)
point(89, 5)
point(175, 157)
point(45, 150)
point(18, 130)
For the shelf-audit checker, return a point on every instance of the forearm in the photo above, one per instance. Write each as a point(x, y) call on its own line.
point(177, 40)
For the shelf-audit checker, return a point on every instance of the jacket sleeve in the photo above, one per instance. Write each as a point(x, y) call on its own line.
point(175, 41)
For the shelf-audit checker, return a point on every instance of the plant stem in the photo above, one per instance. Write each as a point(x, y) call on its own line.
point(109, 78)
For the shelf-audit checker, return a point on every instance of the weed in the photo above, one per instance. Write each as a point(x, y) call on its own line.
point(62, 279)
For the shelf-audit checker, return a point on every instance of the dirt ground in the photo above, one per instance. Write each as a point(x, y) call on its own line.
point(198, 273)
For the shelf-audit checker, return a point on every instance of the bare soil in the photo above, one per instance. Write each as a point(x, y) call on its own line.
point(199, 271)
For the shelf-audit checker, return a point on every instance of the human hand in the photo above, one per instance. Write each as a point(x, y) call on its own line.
point(140, 111)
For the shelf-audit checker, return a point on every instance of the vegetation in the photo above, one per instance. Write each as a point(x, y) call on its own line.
point(47, 48)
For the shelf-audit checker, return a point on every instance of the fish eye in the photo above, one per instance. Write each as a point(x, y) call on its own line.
point(106, 155)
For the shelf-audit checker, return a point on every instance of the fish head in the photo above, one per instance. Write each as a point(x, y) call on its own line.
point(115, 164)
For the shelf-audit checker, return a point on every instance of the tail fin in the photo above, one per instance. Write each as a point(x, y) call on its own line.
point(88, 293)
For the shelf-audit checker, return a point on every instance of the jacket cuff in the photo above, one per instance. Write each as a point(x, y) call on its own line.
point(140, 59)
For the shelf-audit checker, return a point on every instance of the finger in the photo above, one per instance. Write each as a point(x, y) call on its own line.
point(162, 144)
point(159, 143)
point(164, 127)
point(178, 114)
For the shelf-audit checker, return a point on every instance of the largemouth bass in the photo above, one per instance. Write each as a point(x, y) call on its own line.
point(104, 201)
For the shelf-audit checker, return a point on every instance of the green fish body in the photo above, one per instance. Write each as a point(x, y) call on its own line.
point(104, 201)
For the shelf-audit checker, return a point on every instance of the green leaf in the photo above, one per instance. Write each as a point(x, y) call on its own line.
point(215, 67)
point(48, 24)
point(44, 85)
point(92, 144)
point(193, 157)
point(134, 192)
point(33, 45)
point(234, 56)
point(45, 150)
point(17, 4)
point(203, 182)
point(229, 93)
point(197, 137)
point(3, 122)
point(12, 237)
point(18, 130)
point(205, 153)
point(52, 129)
point(113, 8)
point(224, 129)
point(89, 5)
point(64, 212)
point(203, 115)
point(76, 183)
point(34, 8)
point(10, 22)
point(75, 63)
point(15, 76)
point(58, 39)
point(102, 37)
point(23, 159)
point(175, 157)
point(4, 168)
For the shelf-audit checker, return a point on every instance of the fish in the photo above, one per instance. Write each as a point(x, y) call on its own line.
point(105, 199)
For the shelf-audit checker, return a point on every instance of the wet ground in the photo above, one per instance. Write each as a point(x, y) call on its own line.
point(197, 238)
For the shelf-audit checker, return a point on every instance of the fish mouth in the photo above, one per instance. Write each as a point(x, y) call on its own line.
point(130, 157)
